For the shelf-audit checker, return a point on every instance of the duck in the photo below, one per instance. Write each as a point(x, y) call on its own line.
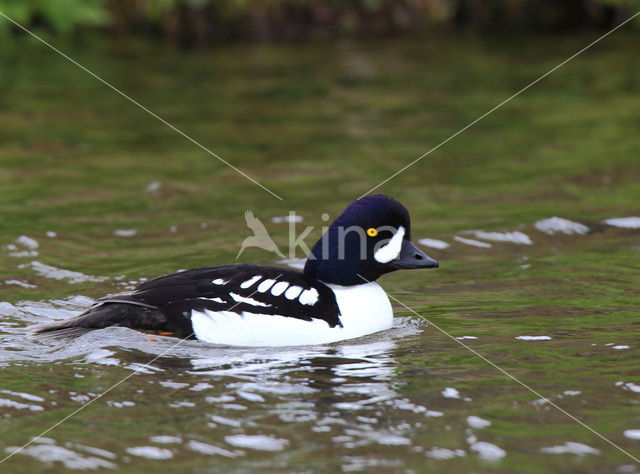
point(334, 298)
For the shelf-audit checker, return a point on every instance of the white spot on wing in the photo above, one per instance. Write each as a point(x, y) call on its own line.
point(250, 281)
point(293, 292)
point(391, 250)
point(219, 281)
point(216, 299)
point(265, 285)
point(251, 301)
point(279, 288)
point(309, 297)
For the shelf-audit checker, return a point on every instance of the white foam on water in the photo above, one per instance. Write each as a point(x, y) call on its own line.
point(165, 439)
point(102, 357)
point(23, 284)
point(513, 237)
point(290, 218)
point(125, 232)
point(170, 384)
point(297, 263)
point(555, 225)
point(76, 397)
point(477, 422)
point(183, 404)
point(153, 187)
point(26, 396)
point(450, 392)
point(209, 449)
point(121, 404)
point(6, 402)
point(55, 273)
point(257, 442)
point(367, 464)
point(444, 453)
point(570, 447)
point(534, 338)
point(24, 254)
point(140, 368)
point(630, 386)
point(488, 451)
point(201, 386)
point(572, 393)
point(50, 453)
point(220, 399)
point(540, 402)
point(632, 434)
point(624, 222)
point(406, 404)
point(90, 449)
point(150, 452)
point(45, 310)
point(27, 242)
point(252, 397)
point(433, 243)
point(394, 440)
point(225, 421)
point(473, 243)
point(7, 308)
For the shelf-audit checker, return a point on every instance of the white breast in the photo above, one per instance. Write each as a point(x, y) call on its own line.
point(364, 309)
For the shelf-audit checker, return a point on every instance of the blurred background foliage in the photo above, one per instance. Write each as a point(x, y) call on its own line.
point(202, 22)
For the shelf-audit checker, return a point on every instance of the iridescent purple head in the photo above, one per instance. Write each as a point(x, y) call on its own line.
point(370, 238)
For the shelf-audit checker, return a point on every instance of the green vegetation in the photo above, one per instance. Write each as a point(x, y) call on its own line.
point(201, 22)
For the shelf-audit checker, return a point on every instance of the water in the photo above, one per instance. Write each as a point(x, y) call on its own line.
point(537, 206)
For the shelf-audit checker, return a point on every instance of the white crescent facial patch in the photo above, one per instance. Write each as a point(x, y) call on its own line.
point(391, 250)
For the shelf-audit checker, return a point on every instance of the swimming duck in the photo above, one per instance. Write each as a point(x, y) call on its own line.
point(335, 297)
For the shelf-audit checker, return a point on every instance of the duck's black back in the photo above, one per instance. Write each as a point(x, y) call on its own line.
point(165, 303)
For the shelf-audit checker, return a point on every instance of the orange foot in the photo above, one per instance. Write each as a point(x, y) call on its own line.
point(152, 338)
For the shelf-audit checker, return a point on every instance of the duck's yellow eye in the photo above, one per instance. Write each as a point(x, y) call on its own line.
point(372, 232)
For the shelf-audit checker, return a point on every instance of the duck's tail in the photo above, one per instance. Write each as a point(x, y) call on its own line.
point(100, 317)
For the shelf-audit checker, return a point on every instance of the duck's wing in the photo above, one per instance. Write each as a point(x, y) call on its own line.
point(237, 288)
point(166, 303)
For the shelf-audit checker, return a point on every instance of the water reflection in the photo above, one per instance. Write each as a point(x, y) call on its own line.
point(247, 400)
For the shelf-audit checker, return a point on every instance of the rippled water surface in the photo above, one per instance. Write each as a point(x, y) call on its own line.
point(533, 215)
